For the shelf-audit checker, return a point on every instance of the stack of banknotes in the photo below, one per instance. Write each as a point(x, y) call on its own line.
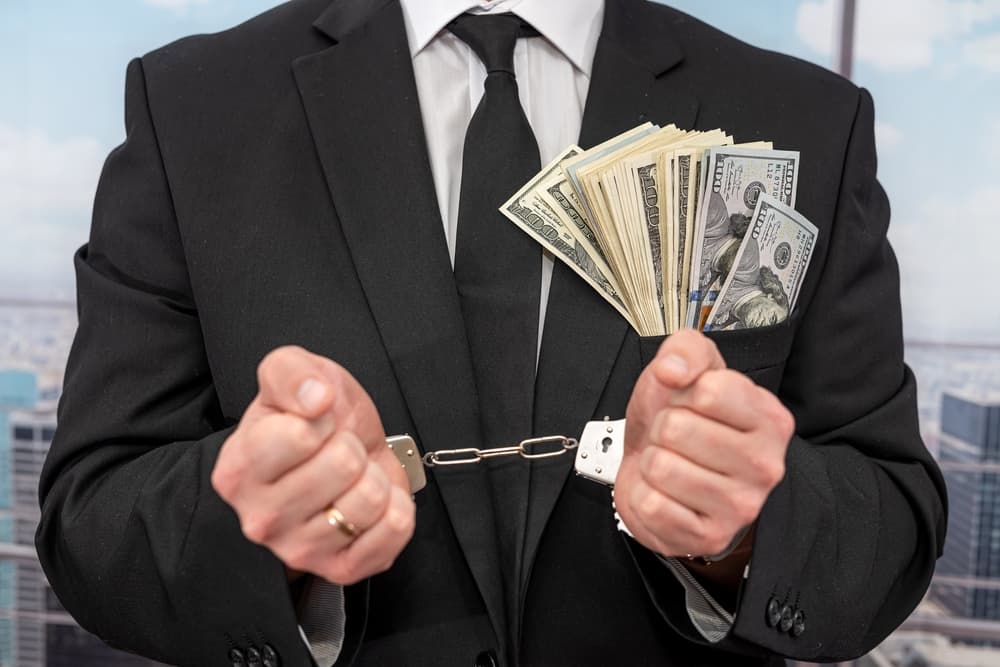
point(675, 228)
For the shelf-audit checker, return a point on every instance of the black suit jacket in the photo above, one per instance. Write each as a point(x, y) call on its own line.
point(275, 189)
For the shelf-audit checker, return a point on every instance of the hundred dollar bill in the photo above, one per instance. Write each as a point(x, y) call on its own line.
point(557, 192)
point(768, 270)
point(735, 179)
point(530, 213)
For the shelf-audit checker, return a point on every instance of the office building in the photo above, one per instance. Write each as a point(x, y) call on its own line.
point(970, 460)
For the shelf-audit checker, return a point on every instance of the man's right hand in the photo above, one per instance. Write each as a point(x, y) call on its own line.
point(312, 439)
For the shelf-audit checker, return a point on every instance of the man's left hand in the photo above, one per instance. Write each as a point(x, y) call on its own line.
point(704, 446)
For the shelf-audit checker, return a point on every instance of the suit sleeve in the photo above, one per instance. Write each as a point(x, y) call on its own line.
point(135, 542)
point(845, 545)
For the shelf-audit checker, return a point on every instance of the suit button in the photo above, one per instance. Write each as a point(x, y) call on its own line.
point(236, 658)
point(253, 657)
point(487, 659)
point(773, 615)
point(270, 656)
point(798, 623)
point(786, 619)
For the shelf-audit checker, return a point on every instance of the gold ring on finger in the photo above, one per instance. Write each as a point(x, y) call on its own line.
point(337, 520)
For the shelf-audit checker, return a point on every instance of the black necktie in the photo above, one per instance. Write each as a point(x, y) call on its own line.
point(498, 275)
point(497, 267)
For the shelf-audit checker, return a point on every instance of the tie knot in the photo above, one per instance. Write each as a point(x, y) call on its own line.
point(492, 37)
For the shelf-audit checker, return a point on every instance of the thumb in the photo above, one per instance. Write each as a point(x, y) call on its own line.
point(684, 356)
point(290, 379)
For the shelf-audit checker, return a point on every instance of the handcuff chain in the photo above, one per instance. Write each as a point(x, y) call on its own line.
point(524, 449)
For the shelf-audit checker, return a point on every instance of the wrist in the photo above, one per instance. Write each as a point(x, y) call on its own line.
point(722, 574)
point(730, 549)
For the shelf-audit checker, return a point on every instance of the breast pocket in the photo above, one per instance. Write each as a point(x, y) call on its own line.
point(760, 353)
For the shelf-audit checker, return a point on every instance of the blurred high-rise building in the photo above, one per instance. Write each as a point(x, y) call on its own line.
point(970, 460)
point(19, 643)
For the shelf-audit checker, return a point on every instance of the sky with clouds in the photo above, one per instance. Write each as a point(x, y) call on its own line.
point(933, 67)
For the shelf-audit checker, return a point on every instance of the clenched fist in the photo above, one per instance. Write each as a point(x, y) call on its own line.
point(312, 439)
point(704, 446)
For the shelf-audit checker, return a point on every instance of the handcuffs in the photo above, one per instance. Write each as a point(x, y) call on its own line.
point(598, 456)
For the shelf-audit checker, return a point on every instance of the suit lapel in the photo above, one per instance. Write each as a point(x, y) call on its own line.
point(361, 102)
point(630, 84)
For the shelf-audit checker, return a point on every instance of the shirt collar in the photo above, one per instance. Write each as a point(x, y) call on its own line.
point(572, 26)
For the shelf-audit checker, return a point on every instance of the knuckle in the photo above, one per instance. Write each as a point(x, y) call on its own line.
point(771, 471)
point(298, 433)
point(778, 415)
point(399, 521)
point(746, 507)
point(274, 361)
point(349, 461)
point(260, 435)
point(653, 432)
point(336, 572)
point(741, 383)
point(664, 427)
point(647, 506)
point(373, 492)
point(658, 467)
point(260, 526)
point(674, 426)
point(760, 467)
point(351, 577)
point(699, 531)
point(707, 392)
point(785, 422)
point(287, 431)
point(301, 557)
point(225, 480)
point(777, 473)
point(350, 567)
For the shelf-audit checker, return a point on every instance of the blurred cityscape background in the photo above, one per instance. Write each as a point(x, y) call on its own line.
point(933, 67)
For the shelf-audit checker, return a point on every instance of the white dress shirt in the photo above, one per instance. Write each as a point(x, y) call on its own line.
point(553, 76)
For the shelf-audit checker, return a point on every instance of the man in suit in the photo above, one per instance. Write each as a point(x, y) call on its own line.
point(284, 187)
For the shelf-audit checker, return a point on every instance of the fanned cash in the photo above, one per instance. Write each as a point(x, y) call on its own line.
point(736, 177)
point(557, 235)
point(769, 268)
point(653, 218)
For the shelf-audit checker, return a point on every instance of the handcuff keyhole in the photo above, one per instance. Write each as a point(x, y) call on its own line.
point(605, 444)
